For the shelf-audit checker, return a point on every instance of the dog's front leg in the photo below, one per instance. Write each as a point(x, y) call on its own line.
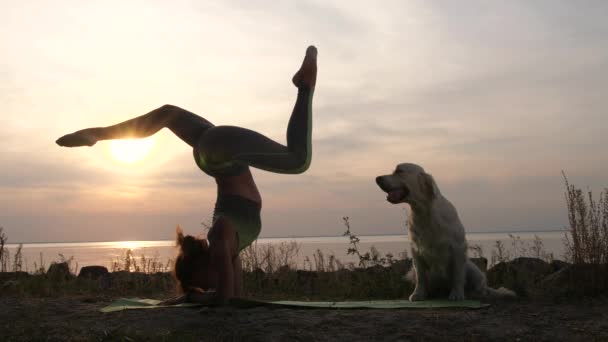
point(421, 278)
point(458, 273)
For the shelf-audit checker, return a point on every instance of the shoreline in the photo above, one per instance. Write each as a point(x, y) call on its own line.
point(280, 238)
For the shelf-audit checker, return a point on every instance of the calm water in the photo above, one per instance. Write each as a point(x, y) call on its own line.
point(104, 253)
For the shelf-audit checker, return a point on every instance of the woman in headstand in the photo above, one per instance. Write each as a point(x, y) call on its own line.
point(225, 153)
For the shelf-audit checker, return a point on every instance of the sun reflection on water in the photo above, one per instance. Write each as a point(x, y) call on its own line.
point(129, 244)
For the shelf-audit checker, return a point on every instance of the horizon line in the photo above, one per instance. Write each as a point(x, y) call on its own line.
point(301, 237)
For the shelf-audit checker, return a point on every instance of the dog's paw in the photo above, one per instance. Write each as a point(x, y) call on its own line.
point(417, 296)
point(456, 295)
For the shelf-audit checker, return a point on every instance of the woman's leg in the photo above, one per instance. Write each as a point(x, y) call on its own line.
point(186, 125)
point(226, 144)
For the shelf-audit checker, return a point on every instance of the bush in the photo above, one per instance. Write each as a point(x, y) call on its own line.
point(587, 242)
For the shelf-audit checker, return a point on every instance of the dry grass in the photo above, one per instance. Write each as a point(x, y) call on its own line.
point(515, 249)
point(371, 258)
point(271, 271)
point(142, 264)
point(270, 258)
point(4, 253)
point(587, 242)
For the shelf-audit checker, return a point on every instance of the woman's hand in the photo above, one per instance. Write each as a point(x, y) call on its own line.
point(195, 295)
point(206, 298)
point(174, 301)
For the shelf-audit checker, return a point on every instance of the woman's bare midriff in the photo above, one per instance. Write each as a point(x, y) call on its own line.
point(242, 185)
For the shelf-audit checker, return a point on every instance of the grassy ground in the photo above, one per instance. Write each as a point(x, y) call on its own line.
point(53, 308)
point(78, 319)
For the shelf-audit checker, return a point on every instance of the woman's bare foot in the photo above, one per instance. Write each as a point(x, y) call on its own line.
point(307, 75)
point(83, 137)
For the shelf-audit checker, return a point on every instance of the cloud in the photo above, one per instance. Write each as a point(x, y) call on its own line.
point(493, 99)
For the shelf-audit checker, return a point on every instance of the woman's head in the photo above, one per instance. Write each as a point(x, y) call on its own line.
point(191, 268)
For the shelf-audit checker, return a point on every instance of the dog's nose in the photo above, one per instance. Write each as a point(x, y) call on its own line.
point(378, 180)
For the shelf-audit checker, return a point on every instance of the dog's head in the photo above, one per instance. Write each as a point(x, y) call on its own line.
point(408, 184)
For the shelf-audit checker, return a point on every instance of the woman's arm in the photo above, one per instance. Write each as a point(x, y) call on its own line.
point(223, 250)
point(193, 295)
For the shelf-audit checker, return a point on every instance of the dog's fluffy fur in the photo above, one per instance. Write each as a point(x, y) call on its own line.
point(439, 249)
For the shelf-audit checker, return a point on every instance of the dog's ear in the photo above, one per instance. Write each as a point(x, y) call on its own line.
point(427, 184)
point(179, 239)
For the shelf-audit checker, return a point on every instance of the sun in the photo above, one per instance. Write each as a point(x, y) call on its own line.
point(131, 150)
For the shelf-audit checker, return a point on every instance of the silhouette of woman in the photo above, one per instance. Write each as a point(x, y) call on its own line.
point(225, 153)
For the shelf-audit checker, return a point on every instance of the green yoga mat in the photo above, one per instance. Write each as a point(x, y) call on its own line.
point(137, 303)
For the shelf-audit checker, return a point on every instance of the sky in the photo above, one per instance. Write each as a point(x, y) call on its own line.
point(493, 98)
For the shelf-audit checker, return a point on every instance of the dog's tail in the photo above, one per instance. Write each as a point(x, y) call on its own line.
point(500, 293)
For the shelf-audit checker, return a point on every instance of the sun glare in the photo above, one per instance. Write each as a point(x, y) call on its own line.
point(128, 244)
point(131, 150)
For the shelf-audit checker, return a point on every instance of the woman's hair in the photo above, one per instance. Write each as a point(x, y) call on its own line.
point(192, 262)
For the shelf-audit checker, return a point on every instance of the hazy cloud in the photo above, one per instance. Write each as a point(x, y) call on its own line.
point(494, 99)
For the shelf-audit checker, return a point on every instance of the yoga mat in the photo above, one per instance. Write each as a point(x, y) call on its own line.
point(138, 303)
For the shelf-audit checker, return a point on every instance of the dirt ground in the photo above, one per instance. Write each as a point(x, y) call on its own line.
point(79, 319)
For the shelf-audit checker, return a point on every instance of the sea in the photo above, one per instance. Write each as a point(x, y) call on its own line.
point(509, 244)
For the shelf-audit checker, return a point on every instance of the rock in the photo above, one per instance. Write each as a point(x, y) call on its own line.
point(557, 265)
point(376, 270)
point(307, 281)
point(481, 263)
point(402, 266)
point(520, 275)
point(575, 281)
point(92, 272)
point(9, 286)
point(13, 275)
point(258, 273)
point(59, 271)
point(556, 285)
point(283, 269)
point(12, 281)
